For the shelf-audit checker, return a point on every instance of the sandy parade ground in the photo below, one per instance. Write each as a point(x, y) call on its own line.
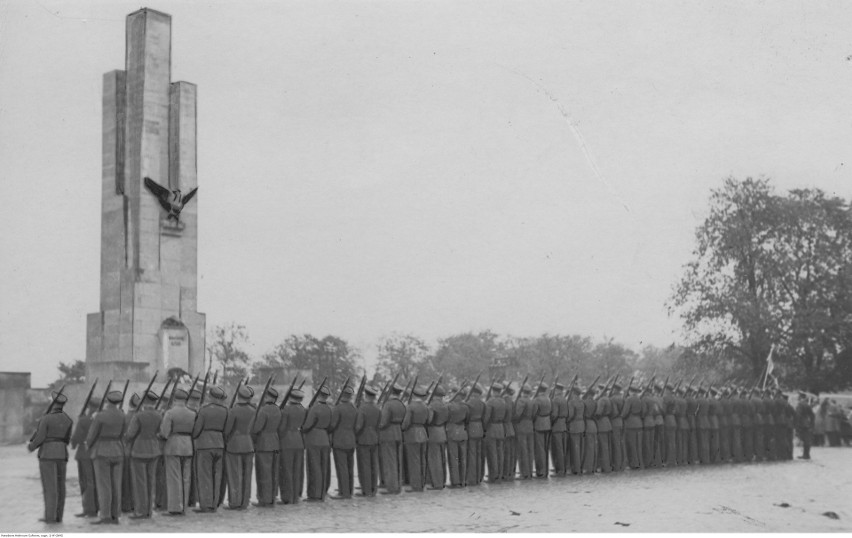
point(766, 497)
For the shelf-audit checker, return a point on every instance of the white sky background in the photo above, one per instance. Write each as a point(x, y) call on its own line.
point(423, 167)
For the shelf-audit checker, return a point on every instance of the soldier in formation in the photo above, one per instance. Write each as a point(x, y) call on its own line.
point(450, 438)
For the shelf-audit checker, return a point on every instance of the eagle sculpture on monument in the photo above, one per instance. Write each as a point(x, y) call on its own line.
point(172, 201)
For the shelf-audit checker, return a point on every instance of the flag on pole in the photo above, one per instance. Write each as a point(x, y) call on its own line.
point(770, 365)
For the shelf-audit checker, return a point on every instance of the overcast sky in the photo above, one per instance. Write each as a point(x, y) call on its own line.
point(423, 167)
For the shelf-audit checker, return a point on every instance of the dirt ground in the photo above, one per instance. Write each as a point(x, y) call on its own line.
point(765, 497)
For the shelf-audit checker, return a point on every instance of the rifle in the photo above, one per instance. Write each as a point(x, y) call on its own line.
point(165, 389)
point(647, 385)
point(413, 386)
point(360, 395)
point(571, 386)
point(405, 390)
point(302, 384)
point(194, 383)
point(627, 390)
point(434, 388)
point(316, 393)
point(345, 384)
point(612, 387)
point(521, 388)
point(123, 394)
point(103, 400)
point(50, 408)
point(215, 376)
point(385, 394)
point(204, 389)
point(88, 398)
point(262, 396)
point(540, 384)
point(603, 391)
point(553, 389)
point(459, 391)
point(665, 385)
point(236, 390)
point(287, 396)
point(470, 392)
point(590, 388)
point(172, 395)
point(145, 394)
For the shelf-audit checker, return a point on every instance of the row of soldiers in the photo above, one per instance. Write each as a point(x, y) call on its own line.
point(438, 437)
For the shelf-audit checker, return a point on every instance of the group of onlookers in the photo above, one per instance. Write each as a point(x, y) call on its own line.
point(831, 424)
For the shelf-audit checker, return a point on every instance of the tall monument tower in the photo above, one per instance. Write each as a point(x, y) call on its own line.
point(149, 265)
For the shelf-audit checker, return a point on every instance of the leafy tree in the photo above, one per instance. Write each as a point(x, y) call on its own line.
point(406, 354)
point(462, 356)
point(330, 357)
point(73, 372)
point(610, 358)
point(552, 355)
point(226, 349)
point(771, 270)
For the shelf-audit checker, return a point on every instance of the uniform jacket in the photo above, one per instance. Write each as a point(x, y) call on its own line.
point(680, 413)
point(542, 408)
point(617, 402)
point(176, 429)
point(52, 436)
point(265, 428)
point(670, 410)
point(703, 418)
point(691, 408)
point(393, 412)
point(317, 423)
point(414, 423)
point(492, 420)
point(456, 421)
point(559, 414)
point(508, 423)
point(209, 427)
point(474, 418)
point(589, 408)
point(648, 406)
point(632, 412)
point(524, 416)
point(342, 428)
point(658, 410)
point(142, 434)
point(292, 417)
point(367, 424)
point(713, 413)
point(804, 416)
point(238, 429)
point(78, 439)
point(603, 410)
point(105, 433)
point(439, 414)
point(576, 418)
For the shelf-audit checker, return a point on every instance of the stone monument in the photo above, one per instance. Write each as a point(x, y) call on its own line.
point(149, 264)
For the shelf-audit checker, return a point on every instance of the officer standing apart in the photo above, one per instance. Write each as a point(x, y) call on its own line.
point(805, 425)
point(51, 439)
point(107, 451)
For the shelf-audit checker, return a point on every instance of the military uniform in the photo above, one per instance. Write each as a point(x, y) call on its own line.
point(107, 451)
point(542, 428)
point(266, 448)
point(649, 425)
point(495, 433)
point(703, 425)
point(390, 441)
point(632, 415)
point(193, 404)
point(713, 412)
point(315, 434)
point(691, 410)
point(343, 418)
point(590, 438)
point(559, 431)
point(367, 443)
point(683, 430)
point(805, 419)
point(126, 477)
point(414, 439)
point(747, 417)
point(524, 430)
point(436, 446)
point(292, 449)
point(617, 451)
point(603, 410)
point(239, 450)
point(576, 430)
point(457, 442)
point(475, 434)
point(670, 428)
point(176, 428)
point(510, 458)
point(51, 439)
point(145, 451)
point(207, 434)
point(85, 466)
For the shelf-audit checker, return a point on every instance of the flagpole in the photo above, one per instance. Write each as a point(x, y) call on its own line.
point(768, 364)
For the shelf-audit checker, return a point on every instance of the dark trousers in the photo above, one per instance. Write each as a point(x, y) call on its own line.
point(748, 443)
point(682, 446)
point(192, 497)
point(541, 440)
point(344, 466)
point(805, 436)
point(208, 474)
point(648, 446)
point(659, 445)
point(670, 446)
point(391, 459)
point(415, 454)
point(617, 449)
point(108, 473)
point(368, 468)
point(457, 462)
point(266, 476)
point(319, 471)
point(736, 444)
point(178, 480)
point(704, 446)
point(590, 452)
point(510, 458)
point(724, 444)
point(53, 488)
point(526, 448)
point(161, 493)
point(88, 491)
point(632, 442)
point(238, 469)
point(494, 456)
point(759, 445)
point(715, 446)
point(693, 446)
point(558, 451)
point(126, 487)
point(575, 452)
point(474, 462)
point(436, 462)
point(143, 472)
point(292, 477)
point(604, 463)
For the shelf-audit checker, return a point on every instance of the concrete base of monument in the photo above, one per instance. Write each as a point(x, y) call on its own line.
point(767, 497)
